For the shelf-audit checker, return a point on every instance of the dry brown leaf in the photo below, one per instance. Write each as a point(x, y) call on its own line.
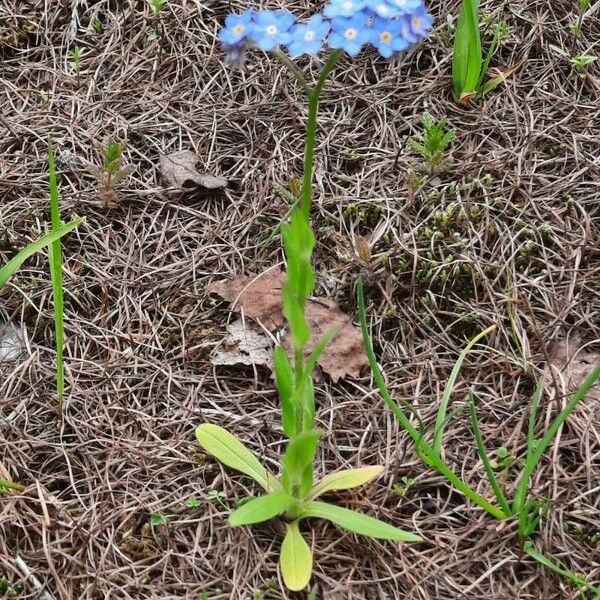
point(178, 170)
point(260, 297)
point(243, 346)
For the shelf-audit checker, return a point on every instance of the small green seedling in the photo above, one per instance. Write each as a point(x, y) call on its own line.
point(156, 6)
point(503, 460)
point(76, 55)
point(469, 65)
point(583, 5)
point(98, 26)
point(433, 142)
point(112, 171)
point(156, 519)
point(579, 62)
point(192, 502)
point(401, 488)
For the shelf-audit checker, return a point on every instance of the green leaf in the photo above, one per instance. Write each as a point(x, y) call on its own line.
point(284, 377)
point(227, 449)
point(536, 451)
point(321, 346)
point(295, 559)
point(9, 269)
point(357, 522)
point(466, 58)
point(441, 414)
point(579, 581)
point(344, 480)
point(261, 509)
point(297, 471)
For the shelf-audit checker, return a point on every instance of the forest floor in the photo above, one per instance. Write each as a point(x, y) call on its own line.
point(119, 500)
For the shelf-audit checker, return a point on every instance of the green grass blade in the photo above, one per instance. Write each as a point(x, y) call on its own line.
point(423, 449)
point(13, 265)
point(57, 277)
point(579, 581)
point(440, 420)
point(486, 63)
point(484, 457)
point(536, 451)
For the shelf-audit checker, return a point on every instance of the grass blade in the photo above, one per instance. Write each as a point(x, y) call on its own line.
point(466, 57)
point(57, 277)
point(581, 583)
point(535, 451)
point(13, 265)
point(440, 419)
point(424, 450)
point(484, 457)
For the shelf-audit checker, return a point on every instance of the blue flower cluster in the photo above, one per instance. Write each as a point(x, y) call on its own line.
point(389, 25)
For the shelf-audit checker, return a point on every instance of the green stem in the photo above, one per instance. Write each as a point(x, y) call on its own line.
point(311, 131)
point(293, 69)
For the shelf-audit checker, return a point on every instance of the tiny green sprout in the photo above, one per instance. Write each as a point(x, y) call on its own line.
point(217, 497)
point(157, 519)
point(156, 7)
point(583, 5)
point(435, 140)
point(192, 502)
point(204, 596)
point(580, 62)
point(272, 583)
point(400, 489)
point(503, 460)
point(145, 578)
point(76, 55)
point(98, 26)
point(112, 171)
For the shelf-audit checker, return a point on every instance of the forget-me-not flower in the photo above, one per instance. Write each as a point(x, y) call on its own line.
point(272, 29)
point(386, 36)
point(307, 38)
point(237, 28)
point(405, 7)
point(420, 21)
point(351, 34)
point(344, 8)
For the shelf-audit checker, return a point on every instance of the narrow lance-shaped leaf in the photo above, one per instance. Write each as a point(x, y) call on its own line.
point(357, 522)
point(227, 449)
point(296, 463)
point(9, 269)
point(344, 480)
point(295, 559)
point(284, 377)
point(261, 509)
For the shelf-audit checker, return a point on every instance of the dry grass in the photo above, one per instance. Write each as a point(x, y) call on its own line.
point(140, 329)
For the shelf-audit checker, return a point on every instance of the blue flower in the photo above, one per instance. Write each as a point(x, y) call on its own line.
point(307, 38)
point(237, 28)
point(350, 34)
point(383, 8)
point(386, 36)
point(344, 8)
point(420, 22)
point(405, 7)
point(272, 29)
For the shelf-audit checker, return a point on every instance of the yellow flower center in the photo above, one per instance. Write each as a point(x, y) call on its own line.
point(351, 34)
point(416, 22)
point(271, 30)
point(309, 36)
point(239, 29)
point(386, 37)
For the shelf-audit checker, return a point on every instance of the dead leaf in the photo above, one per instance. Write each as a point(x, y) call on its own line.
point(260, 297)
point(178, 170)
point(244, 346)
point(570, 366)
